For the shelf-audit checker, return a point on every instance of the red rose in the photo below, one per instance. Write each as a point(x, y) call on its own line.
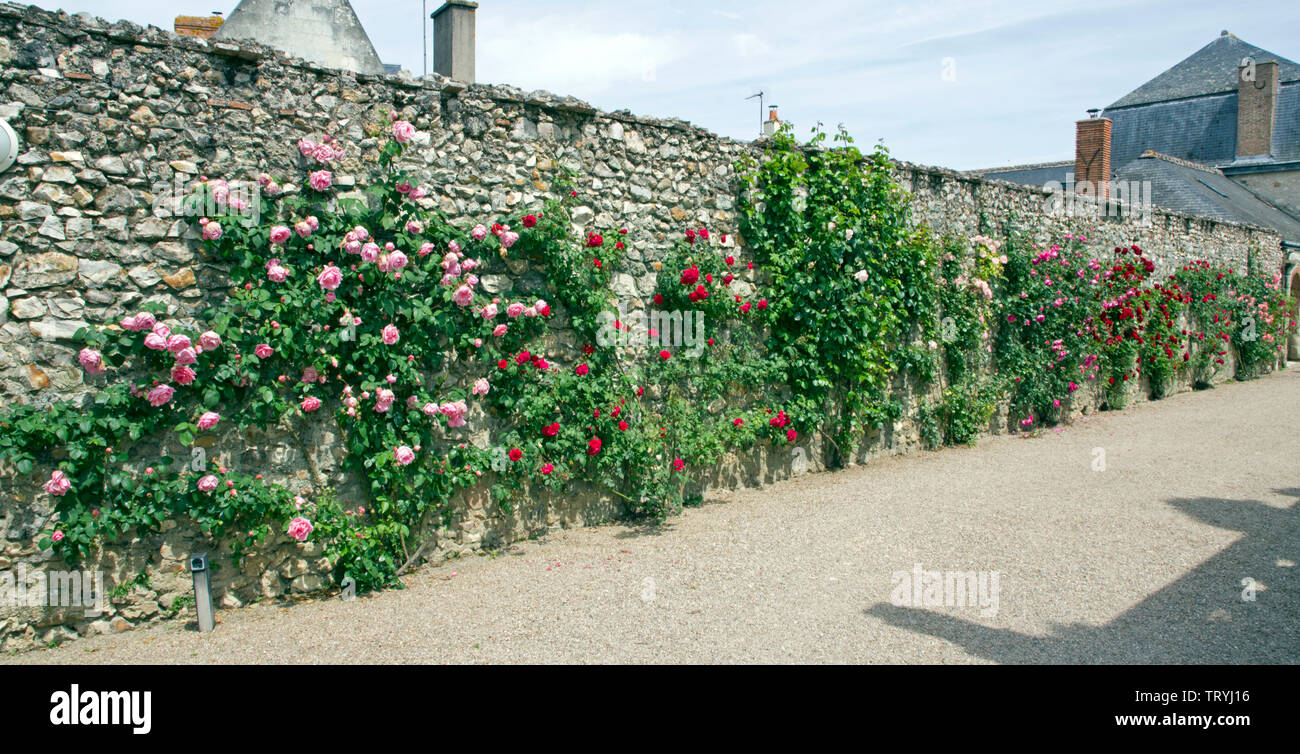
point(730, 260)
point(744, 308)
point(704, 234)
point(581, 370)
point(547, 469)
point(522, 357)
point(516, 454)
point(690, 237)
point(658, 299)
point(503, 364)
point(593, 446)
point(739, 422)
point(622, 426)
point(594, 240)
point(678, 464)
point(589, 349)
point(530, 221)
point(791, 435)
point(665, 355)
point(597, 263)
point(551, 430)
point(762, 304)
point(622, 231)
point(690, 275)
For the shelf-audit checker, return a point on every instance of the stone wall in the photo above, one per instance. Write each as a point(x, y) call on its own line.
point(111, 116)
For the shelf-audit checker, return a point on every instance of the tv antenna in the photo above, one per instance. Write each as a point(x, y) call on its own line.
point(760, 109)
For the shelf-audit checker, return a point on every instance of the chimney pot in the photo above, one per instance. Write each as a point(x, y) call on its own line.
point(453, 40)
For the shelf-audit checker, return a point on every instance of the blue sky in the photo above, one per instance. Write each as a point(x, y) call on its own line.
point(962, 84)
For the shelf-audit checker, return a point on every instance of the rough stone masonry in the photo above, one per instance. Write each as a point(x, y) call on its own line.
point(111, 115)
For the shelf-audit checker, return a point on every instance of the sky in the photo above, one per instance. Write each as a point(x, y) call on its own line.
point(961, 84)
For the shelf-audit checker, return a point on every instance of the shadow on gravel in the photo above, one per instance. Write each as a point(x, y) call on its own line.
point(1204, 617)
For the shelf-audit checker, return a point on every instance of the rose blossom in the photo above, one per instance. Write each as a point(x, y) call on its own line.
point(208, 420)
point(280, 234)
point(490, 311)
point(403, 131)
point(330, 278)
point(160, 395)
point(58, 484)
point(320, 180)
point(263, 351)
point(300, 528)
point(390, 335)
point(404, 455)
point(210, 341)
point(397, 260)
point(514, 310)
point(182, 374)
point(178, 343)
point(212, 231)
point(481, 386)
point(455, 413)
point(464, 296)
point(91, 361)
point(310, 404)
point(208, 483)
point(155, 342)
point(499, 330)
point(479, 233)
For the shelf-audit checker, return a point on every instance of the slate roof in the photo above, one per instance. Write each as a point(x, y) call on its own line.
point(1210, 70)
point(1200, 190)
point(1029, 175)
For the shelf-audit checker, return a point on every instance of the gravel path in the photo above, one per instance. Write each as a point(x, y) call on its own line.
point(1140, 563)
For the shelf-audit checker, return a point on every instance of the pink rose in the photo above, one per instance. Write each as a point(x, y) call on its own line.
point(390, 335)
point(455, 413)
point(426, 249)
point(310, 404)
point(280, 234)
point(155, 342)
point(479, 233)
point(91, 360)
point(207, 483)
point(481, 386)
point(306, 147)
point(370, 252)
point(404, 455)
point(160, 395)
point(514, 310)
point(403, 131)
point(277, 273)
point(210, 341)
point(182, 374)
point(330, 278)
point(509, 238)
point(212, 231)
point(263, 351)
point(500, 330)
point(396, 261)
point(490, 311)
point(302, 228)
point(208, 420)
point(414, 228)
point(464, 296)
point(58, 484)
point(178, 343)
point(300, 528)
point(186, 356)
point(321, 180)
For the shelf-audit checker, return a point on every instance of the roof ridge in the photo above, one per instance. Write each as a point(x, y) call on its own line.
point(1027, 166)
point(1180, 161)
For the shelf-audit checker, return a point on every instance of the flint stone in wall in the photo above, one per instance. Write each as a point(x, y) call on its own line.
point(45, 270)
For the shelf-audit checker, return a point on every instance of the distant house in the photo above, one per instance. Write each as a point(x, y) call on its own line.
point(1217, 135)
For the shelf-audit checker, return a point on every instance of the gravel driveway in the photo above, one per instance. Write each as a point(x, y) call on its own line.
point(1142, 562)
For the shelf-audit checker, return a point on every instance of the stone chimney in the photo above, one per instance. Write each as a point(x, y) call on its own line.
point(327, 32)
point(453, 40)
point(772, 124)
point(1256, 109)
point(1092, 155)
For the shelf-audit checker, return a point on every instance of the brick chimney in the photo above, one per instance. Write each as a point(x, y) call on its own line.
point(772, 124)
point(453, 40)
point(1256, 109)
point(1092, 154)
